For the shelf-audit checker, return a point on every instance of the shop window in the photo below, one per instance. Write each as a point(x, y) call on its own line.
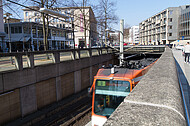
point(12, 30)
point(16, 29)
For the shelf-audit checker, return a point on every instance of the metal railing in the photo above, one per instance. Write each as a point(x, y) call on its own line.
point(20, 60)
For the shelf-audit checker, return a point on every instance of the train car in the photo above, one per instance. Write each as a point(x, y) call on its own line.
point(110, 87)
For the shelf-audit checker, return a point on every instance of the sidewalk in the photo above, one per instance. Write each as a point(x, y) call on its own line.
point(183, 70)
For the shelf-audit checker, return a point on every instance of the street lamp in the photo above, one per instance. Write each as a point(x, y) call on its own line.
point(8, 17)
point(121, 40)
point(9, 36)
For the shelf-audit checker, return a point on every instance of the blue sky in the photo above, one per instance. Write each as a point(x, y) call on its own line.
point(135, 11)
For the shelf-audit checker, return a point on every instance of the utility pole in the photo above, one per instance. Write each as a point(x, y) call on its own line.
point(121, 41)
point(47, 29)
point(9, 36)
point(44, 29)
point(105, 32)
point(84, 23)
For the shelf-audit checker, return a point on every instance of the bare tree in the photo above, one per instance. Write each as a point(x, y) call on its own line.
point(126, 31)
point(105, 15)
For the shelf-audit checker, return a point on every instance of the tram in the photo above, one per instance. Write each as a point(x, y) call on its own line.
point(111, 86)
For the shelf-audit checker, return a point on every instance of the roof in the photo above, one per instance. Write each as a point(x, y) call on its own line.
point(32, 7)
point(119, 73)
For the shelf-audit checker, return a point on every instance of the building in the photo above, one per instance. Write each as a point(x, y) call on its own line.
point(184, 33)
point(126, 35)
point(82, 28)
point(162, 28)
point(11, 20)
point(134, 35)
point(2, 33)
point(114, 38)
point(29, 36)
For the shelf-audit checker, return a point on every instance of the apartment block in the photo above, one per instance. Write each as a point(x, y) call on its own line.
point(82, 18)
point(162, 28)
point(184, 26)
point(134, 35)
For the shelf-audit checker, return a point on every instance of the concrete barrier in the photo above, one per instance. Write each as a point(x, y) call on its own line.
point(156, 100)
point(27, 90)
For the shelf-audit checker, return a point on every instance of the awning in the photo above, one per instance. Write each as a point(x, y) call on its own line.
point(2, 34)
point(18, 39)
point(24, 39)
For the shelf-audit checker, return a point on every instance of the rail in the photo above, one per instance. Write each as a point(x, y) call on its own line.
point(20, 60)
point(183, 97)
point(143, 48)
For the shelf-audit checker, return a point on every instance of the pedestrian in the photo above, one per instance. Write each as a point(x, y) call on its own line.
point(187, 52)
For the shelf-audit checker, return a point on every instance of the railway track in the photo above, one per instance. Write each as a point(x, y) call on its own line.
point(67, 114)
point(63, 112)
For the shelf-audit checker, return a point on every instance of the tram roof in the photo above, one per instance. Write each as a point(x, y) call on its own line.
point(119, 73)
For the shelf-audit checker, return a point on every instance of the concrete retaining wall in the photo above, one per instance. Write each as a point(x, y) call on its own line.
point(156, 100)
point(27, 90)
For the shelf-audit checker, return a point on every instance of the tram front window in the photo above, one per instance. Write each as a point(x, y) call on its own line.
point(108, 95)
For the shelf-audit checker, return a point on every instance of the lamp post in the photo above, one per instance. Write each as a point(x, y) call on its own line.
point(121, 40)
point(121, 57)
point(9, 36)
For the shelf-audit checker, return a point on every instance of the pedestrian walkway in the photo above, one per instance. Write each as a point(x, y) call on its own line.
point(183, 70)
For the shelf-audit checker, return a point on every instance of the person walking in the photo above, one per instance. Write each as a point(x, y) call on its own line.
point(187, 52)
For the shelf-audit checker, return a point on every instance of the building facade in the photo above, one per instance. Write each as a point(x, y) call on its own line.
point(134, 35)
point(184, 29)
point(162, 28)
point(29, 36)
point(82, 28)
point(2, 33)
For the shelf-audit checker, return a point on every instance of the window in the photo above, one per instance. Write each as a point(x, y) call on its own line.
point(20, 29)
point(12, 30)
point(29, 19)
point(170, 12)
point(16, 29)
point(53, 33)
point(170, 27)
point(26, 29)
point(26, 14)
point(60, 25)
point(36, 20)
point(108, 95)
point(170, 19)
point(170, 34)
point(6, 30)
point(35, 14)
point(39, 19)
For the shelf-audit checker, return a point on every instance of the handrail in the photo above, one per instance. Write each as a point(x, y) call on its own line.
point(183, 97)
point(20, 60)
